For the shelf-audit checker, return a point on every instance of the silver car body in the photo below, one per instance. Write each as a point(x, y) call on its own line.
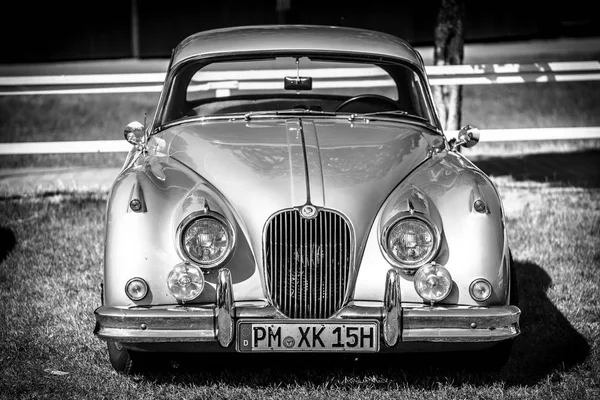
point(364, 170)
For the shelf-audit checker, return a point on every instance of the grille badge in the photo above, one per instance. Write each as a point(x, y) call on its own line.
point(308, 211)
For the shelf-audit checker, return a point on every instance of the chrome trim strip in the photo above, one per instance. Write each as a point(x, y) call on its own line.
point(461, 335)
point(225, 308)
point(313, 162)
point(162, 99)
point(297, 162)
point(304, 161)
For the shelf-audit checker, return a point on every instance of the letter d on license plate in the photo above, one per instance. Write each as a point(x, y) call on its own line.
point(324, 336)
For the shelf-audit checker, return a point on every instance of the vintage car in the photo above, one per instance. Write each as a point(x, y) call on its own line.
point(295, 192)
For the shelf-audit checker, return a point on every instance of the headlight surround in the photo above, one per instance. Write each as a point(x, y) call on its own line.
point(433, 282)
point(206, 238)
point(410, 241)
point(185, 282)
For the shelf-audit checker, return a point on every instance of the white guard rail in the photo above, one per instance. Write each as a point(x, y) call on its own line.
point(474, 74)
point(109, 146)
point(225, 81)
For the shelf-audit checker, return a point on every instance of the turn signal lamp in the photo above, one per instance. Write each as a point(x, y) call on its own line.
point(136, 289)
point(480, 290)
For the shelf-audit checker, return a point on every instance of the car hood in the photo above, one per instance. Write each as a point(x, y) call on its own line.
point(264, 166)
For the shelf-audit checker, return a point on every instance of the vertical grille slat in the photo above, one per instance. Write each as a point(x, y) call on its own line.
point(343, 270)
point(321, 277)
point(335, 270)
point(312, 271)
point(330, 261)
point(307, 263)
point(282, 266)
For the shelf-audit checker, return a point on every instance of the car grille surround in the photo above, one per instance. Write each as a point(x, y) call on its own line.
point(307, 262)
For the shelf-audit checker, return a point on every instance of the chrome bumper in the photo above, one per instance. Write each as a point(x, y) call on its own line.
point(214, 323)
point(199, 324)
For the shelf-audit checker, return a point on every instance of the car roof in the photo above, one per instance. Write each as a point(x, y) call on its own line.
point(284, 38)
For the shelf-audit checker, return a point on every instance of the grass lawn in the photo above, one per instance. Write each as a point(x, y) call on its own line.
point(51, 265)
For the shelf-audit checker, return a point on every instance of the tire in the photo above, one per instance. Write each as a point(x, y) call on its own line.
point(124, 361)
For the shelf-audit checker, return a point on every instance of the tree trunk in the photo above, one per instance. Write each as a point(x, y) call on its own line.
point(282, 6)
point(449, 50)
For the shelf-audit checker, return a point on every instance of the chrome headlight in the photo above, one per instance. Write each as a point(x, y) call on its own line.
point(410, 241)
point(206, 238)
point(433, 282)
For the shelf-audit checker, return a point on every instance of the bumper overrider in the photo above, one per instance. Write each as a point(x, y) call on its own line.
point(397, 326)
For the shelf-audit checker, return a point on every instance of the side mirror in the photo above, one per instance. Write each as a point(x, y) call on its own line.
point(468, 136)
point(134, 134)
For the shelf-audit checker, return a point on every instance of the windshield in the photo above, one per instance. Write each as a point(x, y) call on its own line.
point(295, 83)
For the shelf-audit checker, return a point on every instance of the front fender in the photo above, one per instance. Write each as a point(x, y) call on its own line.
point(473, 244)
point(143, 244)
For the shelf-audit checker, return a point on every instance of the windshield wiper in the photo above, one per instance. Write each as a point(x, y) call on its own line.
point(399, 113)
point(291, 111)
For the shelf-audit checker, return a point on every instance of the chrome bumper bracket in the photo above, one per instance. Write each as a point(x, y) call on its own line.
point(225, 309)
point(391, 309)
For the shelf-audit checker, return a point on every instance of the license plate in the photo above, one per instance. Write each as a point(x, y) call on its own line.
point(311, 336)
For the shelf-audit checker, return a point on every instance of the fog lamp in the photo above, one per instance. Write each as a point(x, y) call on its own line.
point(480, 290)
point(136, 289)
point(433, 282)
point(185, 282)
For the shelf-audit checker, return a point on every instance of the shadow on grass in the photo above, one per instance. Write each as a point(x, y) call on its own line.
point(548, 344)
point(7, 242)
point(548, 341)
point(580, 168)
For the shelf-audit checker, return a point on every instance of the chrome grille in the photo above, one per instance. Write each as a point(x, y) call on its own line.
point(308, 263)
